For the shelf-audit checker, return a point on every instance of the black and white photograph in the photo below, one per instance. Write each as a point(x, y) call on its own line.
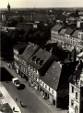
point(41, 56)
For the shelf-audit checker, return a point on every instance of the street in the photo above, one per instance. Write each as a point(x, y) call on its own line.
point(31, 101)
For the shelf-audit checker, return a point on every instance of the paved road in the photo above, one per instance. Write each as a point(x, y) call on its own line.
point(32, 101)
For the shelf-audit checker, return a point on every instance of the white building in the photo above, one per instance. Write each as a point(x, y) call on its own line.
point(76, 90)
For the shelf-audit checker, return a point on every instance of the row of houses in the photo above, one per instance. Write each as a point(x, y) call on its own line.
point(67, 37)
point(43, 71)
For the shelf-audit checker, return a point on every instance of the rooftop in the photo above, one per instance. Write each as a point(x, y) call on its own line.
point(77, 77)
point(75, 34)
point(62, 32)
point(29, 51)
point(57, 76)
point(69, 31)
point(57, 27)
point(20, 46)
point(39, 58)
point(52, 76)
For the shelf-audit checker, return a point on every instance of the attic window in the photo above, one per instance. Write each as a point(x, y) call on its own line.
point(33, 58)
point(37, 60)
point(41, 62)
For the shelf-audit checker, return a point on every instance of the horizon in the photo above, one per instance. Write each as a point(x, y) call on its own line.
point(44, 8)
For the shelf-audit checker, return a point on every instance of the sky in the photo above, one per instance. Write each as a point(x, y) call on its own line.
point(41, 3)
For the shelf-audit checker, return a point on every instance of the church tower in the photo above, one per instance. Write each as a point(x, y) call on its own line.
point(8, 7)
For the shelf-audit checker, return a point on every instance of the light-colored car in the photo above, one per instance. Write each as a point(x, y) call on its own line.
point(16, 82)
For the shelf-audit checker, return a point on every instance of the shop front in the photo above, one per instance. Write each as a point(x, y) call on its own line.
point(47, 95)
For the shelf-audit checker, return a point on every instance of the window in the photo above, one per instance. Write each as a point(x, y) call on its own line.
point(31, 68)
point(52, 91)
point(22, 67)
point(76, 95)
point(76, 109)
point(33, 58)
point(45, 86)
point(24, 63)
point(72, 102)
point(26, 71)
point(37, 60)
point(36, 78)
point(41, 62)
point(72, 89)
point(34, 69)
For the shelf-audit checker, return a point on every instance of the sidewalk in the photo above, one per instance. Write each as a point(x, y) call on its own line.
point(8, 99)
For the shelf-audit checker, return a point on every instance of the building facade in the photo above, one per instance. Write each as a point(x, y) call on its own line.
point(24, 58)
point(17, 50)
point(38, 64)
point(67, 37)
point(53, 86)
point(76, 90)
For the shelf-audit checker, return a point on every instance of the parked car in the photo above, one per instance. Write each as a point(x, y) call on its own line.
point(16, 82)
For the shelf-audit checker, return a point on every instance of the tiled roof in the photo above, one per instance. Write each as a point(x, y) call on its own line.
point(69, 31)
point(20, 46)
point(52, 76)
point(75, 34)
point(57, 27)
point(62, 32)
point(29, 51)
point(39, 58)
point(57, 76)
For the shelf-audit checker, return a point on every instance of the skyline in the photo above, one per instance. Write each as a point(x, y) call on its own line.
point(41, 3)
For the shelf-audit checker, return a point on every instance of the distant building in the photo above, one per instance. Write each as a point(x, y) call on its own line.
point(77, 40)
point(55, 32)
point(3, 17)
point(76, 90)
point(67, 37)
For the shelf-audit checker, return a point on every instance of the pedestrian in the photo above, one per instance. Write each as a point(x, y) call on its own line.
point(20, 102)
point(29, 84)
point(13, 108)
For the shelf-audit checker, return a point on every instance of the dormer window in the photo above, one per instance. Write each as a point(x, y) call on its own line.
point(33, 58)
point(41, 62)
point(37, 60)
